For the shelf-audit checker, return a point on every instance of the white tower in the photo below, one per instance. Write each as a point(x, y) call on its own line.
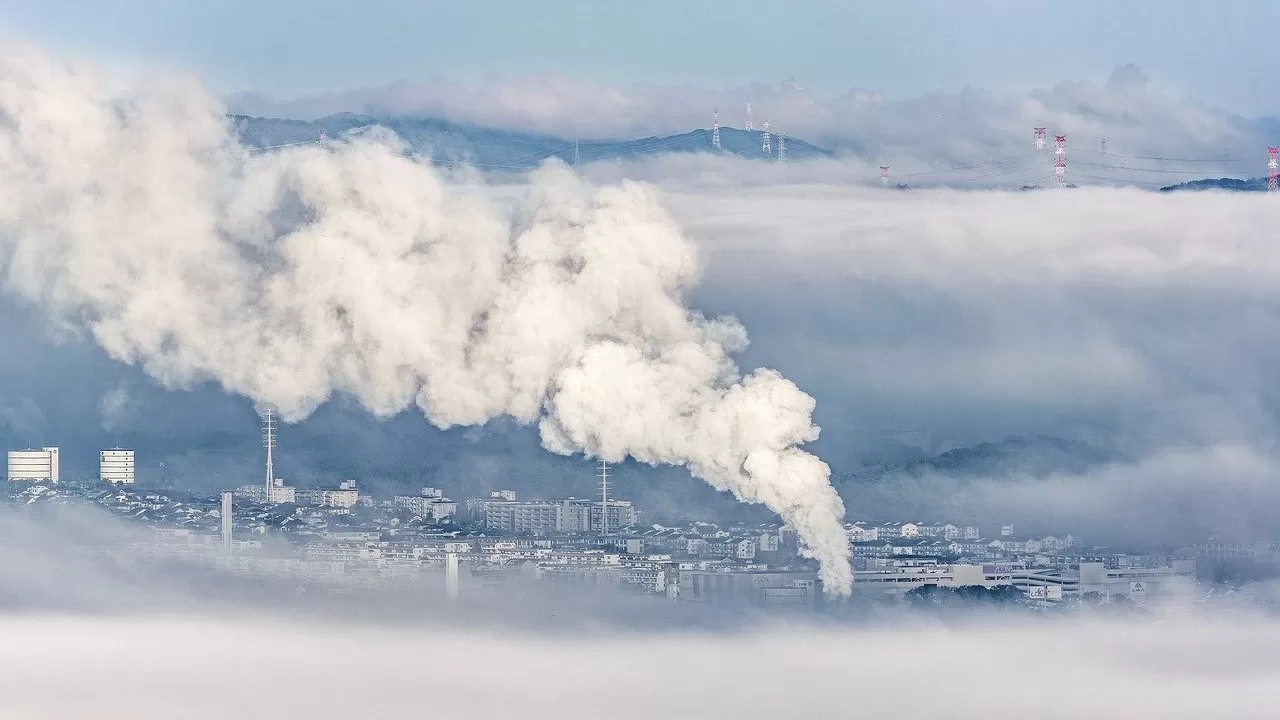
point(269, 442)
point(715, 129)
point(782, 148)
point(1039, 136)
point(451, 575)
point(226, 522)
point(604, 497)
point(765, 140)
point(749, 126)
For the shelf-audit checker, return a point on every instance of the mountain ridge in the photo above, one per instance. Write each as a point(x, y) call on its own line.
point(505, 150)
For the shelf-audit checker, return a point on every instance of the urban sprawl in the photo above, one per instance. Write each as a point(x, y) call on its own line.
point(344, 535)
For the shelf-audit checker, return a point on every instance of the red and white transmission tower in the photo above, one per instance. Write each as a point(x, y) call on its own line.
point(766, 144)
point(1060, 161)
point(749, 126)
point(715, 130)
point(1040, 138)
point(1273, 169)
point(884, 175)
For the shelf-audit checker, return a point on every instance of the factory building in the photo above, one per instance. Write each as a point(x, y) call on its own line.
point(116, 466)
point(33, 465)
point(1084, 579)
point(767, 588)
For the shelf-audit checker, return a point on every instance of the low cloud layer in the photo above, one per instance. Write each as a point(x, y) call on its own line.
point(1140, 325)
point(79, 629)
point(1179, 668)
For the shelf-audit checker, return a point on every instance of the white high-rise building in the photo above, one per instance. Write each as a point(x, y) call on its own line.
point(33, 465)
point(116, 466)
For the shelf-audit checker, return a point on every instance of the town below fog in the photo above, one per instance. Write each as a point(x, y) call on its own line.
point(343, 536)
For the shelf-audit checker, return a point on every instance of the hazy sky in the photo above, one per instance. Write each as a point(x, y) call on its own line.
point(1218, 52)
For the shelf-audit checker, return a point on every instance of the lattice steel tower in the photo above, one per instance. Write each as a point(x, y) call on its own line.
point(1060, 161)
point(1273, 169)
point(603, 478)
point(269, 442)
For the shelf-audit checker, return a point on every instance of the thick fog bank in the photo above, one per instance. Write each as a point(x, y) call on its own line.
point(68, 667)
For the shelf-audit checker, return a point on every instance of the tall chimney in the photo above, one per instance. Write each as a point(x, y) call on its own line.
point(226, 523)
point(451, 575)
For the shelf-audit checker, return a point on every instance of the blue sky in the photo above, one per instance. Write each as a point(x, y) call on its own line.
point(1216, 51)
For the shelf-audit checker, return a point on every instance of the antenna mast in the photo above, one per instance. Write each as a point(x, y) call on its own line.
point(269, 442)
point(604, 497)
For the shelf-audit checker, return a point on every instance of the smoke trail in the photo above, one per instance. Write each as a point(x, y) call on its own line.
point(354, 269)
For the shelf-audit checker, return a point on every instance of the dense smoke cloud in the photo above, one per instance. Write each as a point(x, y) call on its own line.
point(354, 270)
point(912, 134)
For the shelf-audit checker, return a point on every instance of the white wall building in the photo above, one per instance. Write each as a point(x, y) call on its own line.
point(281, 493)
point(427, 506)
point(116, 466)
point(33, 465)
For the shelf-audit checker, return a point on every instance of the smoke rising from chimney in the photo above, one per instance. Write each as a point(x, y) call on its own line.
point(354, 269)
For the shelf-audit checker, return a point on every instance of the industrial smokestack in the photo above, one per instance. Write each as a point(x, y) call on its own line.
point(451, 575)
point(355, 269)
point(226, 523)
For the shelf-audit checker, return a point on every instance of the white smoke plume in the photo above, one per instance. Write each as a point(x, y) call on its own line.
point(353, 269)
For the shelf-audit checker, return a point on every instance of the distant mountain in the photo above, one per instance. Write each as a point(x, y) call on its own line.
point(499, 150)
point(1230, 184)
point(1037, 455)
